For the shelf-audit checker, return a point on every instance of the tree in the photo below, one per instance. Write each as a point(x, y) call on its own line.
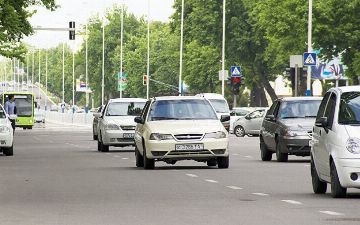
point(14, 24)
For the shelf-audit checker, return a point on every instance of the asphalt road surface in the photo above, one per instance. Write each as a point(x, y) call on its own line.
point(57, 176)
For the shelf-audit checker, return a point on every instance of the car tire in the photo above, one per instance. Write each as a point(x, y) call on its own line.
point(99, 146)
point(148, 163)
point(9, 151)
point(281, 157)
point(211, 162)
point(239, 131)
point(95, 137)
point(319, 187)
point(223, 162)
point(103, 148)
point(139, 158)
point(266, 155)
point(337, 191)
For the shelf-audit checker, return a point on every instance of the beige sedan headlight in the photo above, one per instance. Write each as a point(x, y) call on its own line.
point(161, 137)
point(216, 135)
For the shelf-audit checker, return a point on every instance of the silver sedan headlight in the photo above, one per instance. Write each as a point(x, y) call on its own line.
point(112, 126)
point(353, 145)
point(216, 135)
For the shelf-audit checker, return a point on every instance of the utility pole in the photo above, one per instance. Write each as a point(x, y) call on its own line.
point(121, 50)
point(63, 74)
point(308, 81)
point(86, 69)
point(39, 75)
point(73, 75)
point(223, 52)
point(32, 71)
point(103, 62)
point(148, 53)
point(181, 46)
point(46, 78)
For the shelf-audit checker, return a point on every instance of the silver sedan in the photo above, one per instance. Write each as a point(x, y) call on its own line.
point(249, 124)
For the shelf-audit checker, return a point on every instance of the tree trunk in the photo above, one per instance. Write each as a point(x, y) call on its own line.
point(266, 84)
point(258, 96)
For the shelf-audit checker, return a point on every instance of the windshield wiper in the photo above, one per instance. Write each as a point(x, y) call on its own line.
point(310, 116)
point(290, 117)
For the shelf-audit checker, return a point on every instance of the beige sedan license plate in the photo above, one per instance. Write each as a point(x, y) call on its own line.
point(189, 147)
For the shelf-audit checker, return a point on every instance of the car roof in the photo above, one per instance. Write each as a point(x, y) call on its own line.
point(210, 95)
point(178, 98)
point(346, 89)
point(127, 100)
point(300, 98)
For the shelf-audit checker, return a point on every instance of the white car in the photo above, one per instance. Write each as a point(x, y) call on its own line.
point(180, 128)
point(116, 126)
point(335, 145)
point(220, 105)
point(6, 134)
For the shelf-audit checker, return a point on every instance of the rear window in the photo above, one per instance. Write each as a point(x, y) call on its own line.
point(220, 105)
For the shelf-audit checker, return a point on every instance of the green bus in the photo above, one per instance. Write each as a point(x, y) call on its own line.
point(24, 102)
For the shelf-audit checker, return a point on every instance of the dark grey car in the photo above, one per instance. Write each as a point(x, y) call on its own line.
point(287, 127)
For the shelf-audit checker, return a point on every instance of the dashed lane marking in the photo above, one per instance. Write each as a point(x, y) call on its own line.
point(248, 156)
point(260, 194)
point(332, 213)
point(212, 181)
point(191, 175)
point(234, 187)
point(292, 202)
point(235, 154)
point(124, 158)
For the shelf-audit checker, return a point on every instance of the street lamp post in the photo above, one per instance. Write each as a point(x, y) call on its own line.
point(181, 46)
point(223, 52)
point(308, 83)
point(73, 75)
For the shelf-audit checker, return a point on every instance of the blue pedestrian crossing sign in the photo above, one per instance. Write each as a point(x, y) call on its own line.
point(236, 71)
point(310, 59)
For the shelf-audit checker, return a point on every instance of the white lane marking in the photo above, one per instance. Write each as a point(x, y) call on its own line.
point(235, 154)
point(212, 181)
point(234, 187)
point(124, 158)
point(260, 194)
point(191, 175)
point(248, 156)
point(292, 202)
point(108, 153)
point(332, 213)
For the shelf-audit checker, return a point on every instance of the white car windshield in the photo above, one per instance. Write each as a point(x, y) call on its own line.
point(191, 109)
point(349, 112)
point(220, 105)
point(299, 109)
point(124, 108)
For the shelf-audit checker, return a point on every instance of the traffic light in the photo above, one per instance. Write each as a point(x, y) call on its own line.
point(72, 32)
point(236, 83)
point(145, 79)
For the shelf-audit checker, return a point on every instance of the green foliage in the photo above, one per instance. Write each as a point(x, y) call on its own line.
point(14, 24)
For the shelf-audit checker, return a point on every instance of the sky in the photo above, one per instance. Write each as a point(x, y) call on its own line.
point(80, 11)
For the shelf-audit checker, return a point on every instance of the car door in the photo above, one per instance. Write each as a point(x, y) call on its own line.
point(268, 131)
point(139, 131)
point(315, 142)
point(254, 122)
point(325, 138)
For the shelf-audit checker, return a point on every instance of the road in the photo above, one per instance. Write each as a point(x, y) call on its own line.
point(57, 177)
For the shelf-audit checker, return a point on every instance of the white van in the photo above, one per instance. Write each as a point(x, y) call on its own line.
point(335, 144)
point(220, 105)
